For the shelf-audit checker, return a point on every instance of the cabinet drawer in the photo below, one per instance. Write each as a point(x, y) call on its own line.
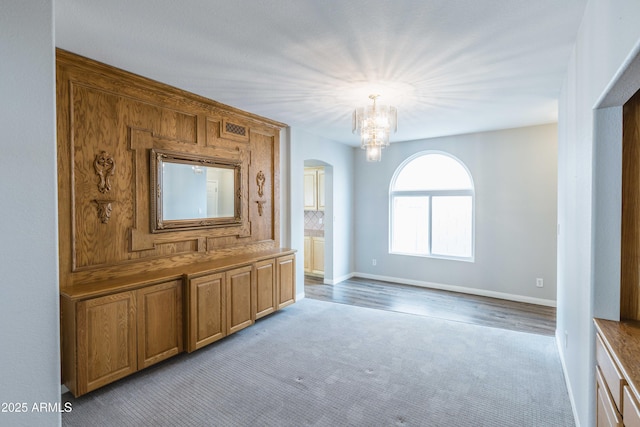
point(607, 414)
point(631, 414)
point(610, 372)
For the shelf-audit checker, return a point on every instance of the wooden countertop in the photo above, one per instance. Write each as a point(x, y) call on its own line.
point(104, 287)
point(314, 233)
point(622, 339)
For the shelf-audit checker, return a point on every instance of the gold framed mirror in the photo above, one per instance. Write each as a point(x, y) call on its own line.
point(190, 191)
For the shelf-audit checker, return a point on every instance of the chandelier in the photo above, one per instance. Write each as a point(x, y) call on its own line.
point(374, 122)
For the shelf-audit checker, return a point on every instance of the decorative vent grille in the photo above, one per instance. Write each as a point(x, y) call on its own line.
point(235, 129)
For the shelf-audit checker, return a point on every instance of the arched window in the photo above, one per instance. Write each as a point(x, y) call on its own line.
point(431, 200)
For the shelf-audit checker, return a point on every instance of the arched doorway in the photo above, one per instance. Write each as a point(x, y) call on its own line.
point(318, 227)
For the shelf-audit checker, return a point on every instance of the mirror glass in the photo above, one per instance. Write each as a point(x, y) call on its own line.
point(192, 191)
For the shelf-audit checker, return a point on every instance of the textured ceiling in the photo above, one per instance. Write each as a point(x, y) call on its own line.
point(450, 66)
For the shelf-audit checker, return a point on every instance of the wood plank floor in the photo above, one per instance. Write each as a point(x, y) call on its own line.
point(455, 306)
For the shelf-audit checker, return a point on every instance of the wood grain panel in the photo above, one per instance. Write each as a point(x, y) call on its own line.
point(262, 160)
point(106, 340)
point(207, 310)
point(266, 292)
point(95, 118)
point(101, 108)
point(121, 285)
point(286, 279)
point(630, 229)
point(159, 322)
point(240, 298)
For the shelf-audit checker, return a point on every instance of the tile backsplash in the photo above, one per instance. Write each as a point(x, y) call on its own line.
point(314, 220)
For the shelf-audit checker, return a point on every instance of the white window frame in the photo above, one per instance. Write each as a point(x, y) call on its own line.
point(430, 194)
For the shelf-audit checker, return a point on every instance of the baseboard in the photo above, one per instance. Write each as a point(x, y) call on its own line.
point(299, 296)
point(461, 289)
point(63, 389)
point(338, 279)
point(566, 380)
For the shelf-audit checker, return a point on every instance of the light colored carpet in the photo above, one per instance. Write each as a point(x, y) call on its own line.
point(323, 364)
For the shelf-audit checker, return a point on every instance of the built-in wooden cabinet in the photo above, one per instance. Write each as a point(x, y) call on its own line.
point(286, 280)
point(240, 299)
point(630, 226)
point(266, 289)
point(314, 255)
point(159, 310)
point(118, 334)
point(138, 284)
point(105, 348)
point(317, 258)
point(631, 413)
point(618, 342)
point(307, 254)
point(314, 185)
point(321, 189)
point(207, 314)
point(607, 414)
point(113, 329)
point(617, 373)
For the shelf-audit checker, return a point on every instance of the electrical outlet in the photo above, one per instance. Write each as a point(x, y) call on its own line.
point(539, 283)
point(374, 262)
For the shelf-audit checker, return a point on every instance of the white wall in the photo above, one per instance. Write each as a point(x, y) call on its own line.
point(29, 337)
point(514, 173)
point(339, 202)
point(588, 217)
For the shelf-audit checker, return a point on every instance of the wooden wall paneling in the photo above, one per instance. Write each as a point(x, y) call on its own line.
point(275, 191)
point(65, 177)
point(234, 129)
point(227, 133)
point(262, 217)
point(178, 125)
point(101, 108)
point(95, 117)
point(245, 174)
point(121, 299)
point(630, 229)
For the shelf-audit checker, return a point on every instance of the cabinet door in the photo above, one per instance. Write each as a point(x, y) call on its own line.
point(607, 414)
point(159, 322)
point(106, 334)
point(265, 288)
point(308, 255)
point(207, 319)
point(320, 189)
point(240, 299)
point(310, 190)
point(631, 415)
point(317, 249)
point(286, 280)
